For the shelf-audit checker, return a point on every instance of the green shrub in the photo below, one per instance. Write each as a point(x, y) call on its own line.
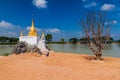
point(6, 54)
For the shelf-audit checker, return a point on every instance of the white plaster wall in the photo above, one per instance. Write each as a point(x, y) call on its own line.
point(32, 40)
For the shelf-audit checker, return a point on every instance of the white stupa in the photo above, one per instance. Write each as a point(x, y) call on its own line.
point(41, 44)
point(33, 38)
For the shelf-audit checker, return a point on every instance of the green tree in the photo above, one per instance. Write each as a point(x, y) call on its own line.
point(3, 39)
point(73, 40)
point(62, 40)
point(118, 41)
point(83, 39)
point(48, 38)
point(111, 39)
point(13, 40)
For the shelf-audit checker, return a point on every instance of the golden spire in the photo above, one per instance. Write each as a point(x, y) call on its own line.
point(32, 26)
point(43, 35)
point(32, 31)
point(21, 34)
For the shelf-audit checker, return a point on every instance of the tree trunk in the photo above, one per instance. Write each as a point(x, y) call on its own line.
point(98, 56)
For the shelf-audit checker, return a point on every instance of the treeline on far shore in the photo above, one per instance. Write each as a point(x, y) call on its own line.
point(80, 41)
point(76, 41)
point(8, 40)
point(11, 41)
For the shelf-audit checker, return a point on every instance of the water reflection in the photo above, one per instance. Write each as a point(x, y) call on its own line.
point(6, 49)
point(119, 45)
point(85, 46)
point(74, 46)
point(108, 47)
point(110, 50)
point(63, 45)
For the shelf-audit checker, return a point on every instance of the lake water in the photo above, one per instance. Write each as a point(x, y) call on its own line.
point(111, 50)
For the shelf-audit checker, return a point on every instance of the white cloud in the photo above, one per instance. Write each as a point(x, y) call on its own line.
point(111, 22)
point(38, 29)
point(28, 28)
point(55, 30)
point(93, 4)
point(80, 34)
point(9, 29)
point(4, 24)
point(114, 21)
point(40, 3)
point(112, 35)
point(107, 7)
point(84, 0)
point(10, 34)
point(106, 23)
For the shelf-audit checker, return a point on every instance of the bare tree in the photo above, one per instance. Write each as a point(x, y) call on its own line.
point(97, 32)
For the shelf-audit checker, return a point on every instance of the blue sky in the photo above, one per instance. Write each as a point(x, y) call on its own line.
point(57, 17)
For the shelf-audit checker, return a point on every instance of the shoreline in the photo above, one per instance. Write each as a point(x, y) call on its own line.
point(58, 66)
point(69, 53)
point(104, 56)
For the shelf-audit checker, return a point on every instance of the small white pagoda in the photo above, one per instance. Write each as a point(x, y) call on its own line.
point(33, 38)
